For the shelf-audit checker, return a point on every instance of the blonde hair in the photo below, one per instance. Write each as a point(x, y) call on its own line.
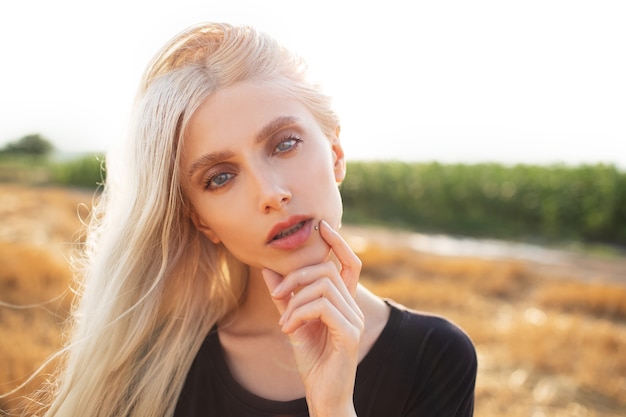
point(152, 286)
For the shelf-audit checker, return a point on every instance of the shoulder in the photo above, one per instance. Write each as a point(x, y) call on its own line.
point(439, 364)
point(422, 364)
point(432, 338)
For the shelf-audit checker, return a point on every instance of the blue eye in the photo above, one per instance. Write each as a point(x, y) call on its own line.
point(218, 180)
point(288, 144)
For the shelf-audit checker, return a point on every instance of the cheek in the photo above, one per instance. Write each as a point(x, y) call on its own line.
point(337, 213)
point(242, 249)
point(328, 197)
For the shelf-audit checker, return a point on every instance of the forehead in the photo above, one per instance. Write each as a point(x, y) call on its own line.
point(239, 112)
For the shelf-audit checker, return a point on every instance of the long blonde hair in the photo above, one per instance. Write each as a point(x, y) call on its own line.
point(150, 285)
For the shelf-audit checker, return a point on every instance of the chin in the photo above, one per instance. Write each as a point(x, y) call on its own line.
point(312, 256)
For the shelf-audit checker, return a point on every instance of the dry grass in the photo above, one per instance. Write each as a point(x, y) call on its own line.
point(34, 303)
point(586, 298)
point(549, 344)
point(37, 229)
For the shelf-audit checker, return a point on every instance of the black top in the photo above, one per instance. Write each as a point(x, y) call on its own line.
point(420, 365)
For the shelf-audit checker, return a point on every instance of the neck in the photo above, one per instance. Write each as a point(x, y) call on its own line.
point(256, 313)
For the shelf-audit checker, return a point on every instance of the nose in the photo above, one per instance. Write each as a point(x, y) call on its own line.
point(271, 191)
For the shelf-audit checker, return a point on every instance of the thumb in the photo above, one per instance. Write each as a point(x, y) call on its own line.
point(272, 279)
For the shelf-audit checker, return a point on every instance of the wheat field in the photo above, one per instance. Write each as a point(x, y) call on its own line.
point(551, 341)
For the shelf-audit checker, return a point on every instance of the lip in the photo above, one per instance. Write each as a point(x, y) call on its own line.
point(293, 240)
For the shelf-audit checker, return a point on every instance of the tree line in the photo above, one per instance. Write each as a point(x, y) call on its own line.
point(586, 202)
point(33, 144)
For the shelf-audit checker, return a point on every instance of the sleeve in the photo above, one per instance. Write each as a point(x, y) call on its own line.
point(446, 375)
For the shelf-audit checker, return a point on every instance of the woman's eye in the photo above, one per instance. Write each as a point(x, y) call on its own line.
point(218, 180)
point(287, 144)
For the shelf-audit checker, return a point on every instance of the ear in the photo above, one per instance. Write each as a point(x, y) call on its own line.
point(203, 228)
point(339, 164)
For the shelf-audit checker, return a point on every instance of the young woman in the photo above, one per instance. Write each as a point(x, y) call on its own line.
point(214, 281)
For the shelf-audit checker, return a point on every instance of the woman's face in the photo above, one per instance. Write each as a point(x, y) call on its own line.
point(261, 175)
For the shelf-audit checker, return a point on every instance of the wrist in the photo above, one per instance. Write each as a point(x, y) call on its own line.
point(346, 410)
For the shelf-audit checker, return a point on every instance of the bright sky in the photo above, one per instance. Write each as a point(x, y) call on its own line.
point(536, 81)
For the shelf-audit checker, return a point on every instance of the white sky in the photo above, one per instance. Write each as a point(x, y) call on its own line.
point(454, 81)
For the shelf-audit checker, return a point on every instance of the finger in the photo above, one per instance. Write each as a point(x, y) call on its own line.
point(272, 280)
point(323, 310)
point(350, 263)
point(323, 288)
point(297, 280)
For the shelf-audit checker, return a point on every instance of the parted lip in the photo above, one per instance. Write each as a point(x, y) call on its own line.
point(284, 225)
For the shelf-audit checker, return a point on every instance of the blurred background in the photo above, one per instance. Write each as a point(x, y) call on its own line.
point(486, 182)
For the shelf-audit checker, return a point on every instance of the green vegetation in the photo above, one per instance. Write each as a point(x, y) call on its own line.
point(557, 202)
point(29, 160)
point(33, 144)
point(85, 171)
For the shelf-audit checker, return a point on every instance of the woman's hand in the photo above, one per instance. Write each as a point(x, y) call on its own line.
point(324, 323)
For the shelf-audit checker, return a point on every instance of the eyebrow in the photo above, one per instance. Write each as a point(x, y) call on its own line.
point(269, 129)
point(274, 126)
point(209, 159)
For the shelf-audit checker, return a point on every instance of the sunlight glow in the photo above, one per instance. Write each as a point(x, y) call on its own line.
point(536, 82)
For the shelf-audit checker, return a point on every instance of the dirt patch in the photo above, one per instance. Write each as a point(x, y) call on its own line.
point(560, 262)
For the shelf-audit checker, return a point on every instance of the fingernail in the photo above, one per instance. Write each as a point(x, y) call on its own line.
point(277, 289)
